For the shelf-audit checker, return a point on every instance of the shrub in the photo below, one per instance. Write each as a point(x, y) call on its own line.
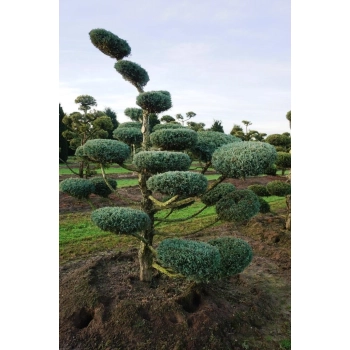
point(264, 206)
point(168, 126)
point(132, 72)
point(239, 205)
point(218, 192)
point(78, 188)
point(159, 161)
point(101, 188)
point(109, 44)
point(106, 151)
point(259, 190)
point(283, 160)
point(235, 254)
point(79, 153)
point(208, 142)
point(242, 159)
point(134, 113)
point(154, 101)
point(174, 139)
point(120, 220)
point(271, 170)
point(197, 261)
point(278, 188)
point(184, 183)
point(130, 125)
point(130, 136)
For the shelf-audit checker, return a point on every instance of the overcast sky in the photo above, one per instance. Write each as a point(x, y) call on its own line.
point(227, 60)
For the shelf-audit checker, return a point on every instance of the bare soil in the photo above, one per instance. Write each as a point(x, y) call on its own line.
point(103, 305)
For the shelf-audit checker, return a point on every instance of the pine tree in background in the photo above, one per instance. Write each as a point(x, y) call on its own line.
point(62, 141)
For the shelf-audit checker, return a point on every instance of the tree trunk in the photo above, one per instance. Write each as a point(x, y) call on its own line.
point(289, 213)
point(81, 169)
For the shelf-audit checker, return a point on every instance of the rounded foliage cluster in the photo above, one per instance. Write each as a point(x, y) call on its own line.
point(132, 72)
point(109, 44)
point(137, 125)
point(78, 188)
point(242, 159)
point(283, 160)
point(259, 190)
point(131, 136)
point(168, 126)
point(154, 101)
point(236, 254)
point(197, 261)
point(208, 142)
point(239, 205)
point(79, 153)
point(158, 162)
point(271, 170)
point(174, 139)
point(264, 206)
point(278, 140)
point(120, 220)
point(279, 188)
point(106, 151)
point(183, 183)
point(101, 188)
point(218, 192)
point(134, 114)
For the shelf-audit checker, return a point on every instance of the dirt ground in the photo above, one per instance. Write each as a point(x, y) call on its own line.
point(104, 306)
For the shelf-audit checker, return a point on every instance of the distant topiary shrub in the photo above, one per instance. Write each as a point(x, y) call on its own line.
point(109, 44)
point(158, 161)
point(101, 188)
point(279, 188)
point(283, 161)
point(184, 183)
point(259, 190)
point(167, 126)
point(130, 125)
point(242, 159)
point(239, 205)
point(271, 170)
point(106, 151)
point(177, 139)
point(208, 142)
point(132, 72)
point(78, 188)
point(197, 261)
point(218, 192)
point(154, 101)
point(120, 220)
point(130, 136)
point(235, 254)
point(264, 206)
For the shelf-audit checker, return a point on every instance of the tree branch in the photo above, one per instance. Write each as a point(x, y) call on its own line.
point(181, 219)
point(69, 167)
point(167, 272)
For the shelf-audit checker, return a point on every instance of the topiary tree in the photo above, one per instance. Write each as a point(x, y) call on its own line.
point(283, 161)
point(165, 171)
point(279, 140)
point(279, 188)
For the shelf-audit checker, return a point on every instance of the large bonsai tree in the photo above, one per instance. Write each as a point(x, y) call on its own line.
point(163, 168)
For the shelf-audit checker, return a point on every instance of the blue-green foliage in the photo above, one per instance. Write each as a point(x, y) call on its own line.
point(183, 183)
point(158, 162)
point(120, 220)
point(198, 261)
point(264, 206)
point(77, 187)
point(130, 125)
point(259, 190)
point(132, 72)
point(177, 139)
point(218, 192)
point(79, 153)
point(154, 101)
point(235, 254)
point(131, 136)
point(208, 142)
point(134, 114)
point(279, 188)
point(106, 151)
point(109, 44)
point(242, 159)
point(168, 126)
point(101, 188)
point(238, 206)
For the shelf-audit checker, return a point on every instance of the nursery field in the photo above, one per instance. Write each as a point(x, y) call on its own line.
point(103, 305)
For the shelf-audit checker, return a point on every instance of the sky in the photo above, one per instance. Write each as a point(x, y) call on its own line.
point(226, 60)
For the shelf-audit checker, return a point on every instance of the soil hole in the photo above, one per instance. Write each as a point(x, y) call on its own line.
point(277, 239)
point(190, 302)
point(83, 318)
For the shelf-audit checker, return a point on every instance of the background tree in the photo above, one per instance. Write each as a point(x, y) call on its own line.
point(237, 131)
point(217, 126)
point(289, 118)
point(166, 172)
point(167, 119)
point(196, 126)
point(62, 141)
point(113, 115)
point(246, 123)
point(281, 142)
point(181, 119)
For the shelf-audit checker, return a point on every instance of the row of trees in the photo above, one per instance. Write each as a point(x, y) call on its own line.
point(162, 165)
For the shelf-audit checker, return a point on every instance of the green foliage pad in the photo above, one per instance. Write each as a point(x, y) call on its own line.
point(78, 188)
